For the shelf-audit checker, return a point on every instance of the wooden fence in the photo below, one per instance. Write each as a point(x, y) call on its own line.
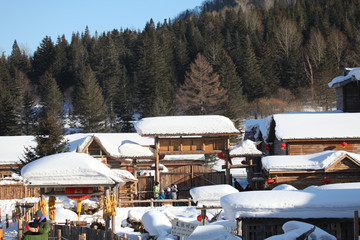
point(17, 191)
point(261, 228)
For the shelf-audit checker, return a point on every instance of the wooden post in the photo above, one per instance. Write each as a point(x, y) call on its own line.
point(139, 237)
point(7, 220)
point(356, 225)
point(152, 202)
point(107, 221)
point(203, 216)
point(238, 226)
point(189, 202)
point(157, 172)
point(20, 229)
point(58, 231)
point(124, 235)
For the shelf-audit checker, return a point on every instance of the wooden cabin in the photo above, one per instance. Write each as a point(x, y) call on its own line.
point(347, 90)
point(302, 171)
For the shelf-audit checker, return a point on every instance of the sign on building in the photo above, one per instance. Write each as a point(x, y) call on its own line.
point(182, 229)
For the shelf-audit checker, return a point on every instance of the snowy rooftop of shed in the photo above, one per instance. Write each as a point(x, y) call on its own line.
point(68, 169)
point(245, 148)
point(352, 75)
point(338, 202)
point(316, 161)
point(309, 125)
point(186, 125)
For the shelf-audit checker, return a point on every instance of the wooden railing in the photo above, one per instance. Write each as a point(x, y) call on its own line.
point(155, 202)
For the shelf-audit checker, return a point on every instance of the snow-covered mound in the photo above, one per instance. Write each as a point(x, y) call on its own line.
point(294, 229)
point(336, 203)
point(210, 195)
point(211, 232)
point(156, 223)
point(68, 169)
point(284, 187)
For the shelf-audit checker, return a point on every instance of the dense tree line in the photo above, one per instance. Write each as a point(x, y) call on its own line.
point(211, 62)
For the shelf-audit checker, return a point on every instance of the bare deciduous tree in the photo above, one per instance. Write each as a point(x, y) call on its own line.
point(201, 92)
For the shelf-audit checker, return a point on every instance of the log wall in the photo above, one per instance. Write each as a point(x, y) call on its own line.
point(17, 191)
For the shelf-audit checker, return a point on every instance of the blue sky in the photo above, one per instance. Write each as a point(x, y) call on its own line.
point(29, 21)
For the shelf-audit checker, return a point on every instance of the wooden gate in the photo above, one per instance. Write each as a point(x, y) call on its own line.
point(187, 177)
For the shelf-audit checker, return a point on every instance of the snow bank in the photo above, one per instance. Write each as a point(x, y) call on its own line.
point(211, 232)
point(210, 195)
point(333, 203)
point(284, 187)
point(156, 223)
point(185, 125)
point(294, 229)
point(68, 169)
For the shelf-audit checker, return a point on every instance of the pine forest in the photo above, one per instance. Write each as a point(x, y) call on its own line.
point(227, 58)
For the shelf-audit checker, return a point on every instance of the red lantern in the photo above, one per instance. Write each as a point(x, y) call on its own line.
point(283, 145)
point(270, 181)
point(344, 144)
point(128, 170)
point(78, 190)
point(243, 162)
point(199, 218)
point(221, 155)
point(325, 180)
point(267, 147)
point(161, 157)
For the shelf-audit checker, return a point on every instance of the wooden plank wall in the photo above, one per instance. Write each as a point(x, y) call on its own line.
point(17, 191)
point(302, 148)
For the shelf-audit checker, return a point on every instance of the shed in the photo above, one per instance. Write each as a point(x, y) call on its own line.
point(205, 134)
point(347, 90)
point(302, 171)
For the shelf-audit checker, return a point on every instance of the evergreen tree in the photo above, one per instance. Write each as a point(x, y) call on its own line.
point(201, 92)
point(89, 105)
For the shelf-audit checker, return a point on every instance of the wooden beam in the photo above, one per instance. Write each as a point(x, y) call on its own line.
point(157, 172)
point(239, 166)
point(189, 152)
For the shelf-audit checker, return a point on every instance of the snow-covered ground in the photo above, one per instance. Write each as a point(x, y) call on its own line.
point(157, 220)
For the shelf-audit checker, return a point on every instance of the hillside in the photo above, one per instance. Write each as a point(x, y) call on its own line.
point(248, 60)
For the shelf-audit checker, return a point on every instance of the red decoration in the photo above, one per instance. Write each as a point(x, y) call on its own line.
point(283, 145)
point(270, 181)
point(128, 170)
point(222, 156)
point(344, 144)
point(199, 218)
point(243, 162)
point(161, 157)
point(78, 190)
point(326, 180)
point(267, 147)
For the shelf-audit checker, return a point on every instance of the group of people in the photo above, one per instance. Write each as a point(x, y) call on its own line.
point(170, 193)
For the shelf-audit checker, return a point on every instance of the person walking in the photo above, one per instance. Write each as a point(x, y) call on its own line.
point(174, 193)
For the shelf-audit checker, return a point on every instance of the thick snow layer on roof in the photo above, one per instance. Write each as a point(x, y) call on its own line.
point(13, 148)
point(186, 125)
point(354, 73)
point(210, 195)
point(131, 149)
point(317, 125)
point(68, 169)
point(124, 174)
point(334, 203)
point(245, 148)
point(315, 161)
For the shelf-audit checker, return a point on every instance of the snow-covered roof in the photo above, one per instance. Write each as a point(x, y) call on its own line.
point(352, 75)
point(334, 203)
point(13, 148)
point(124, 174)
point(309, 125)
point(245, 148)
point(68, 169)
point(131, 149)
point(210, 195)
point(316, 161)
point(185, 125)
